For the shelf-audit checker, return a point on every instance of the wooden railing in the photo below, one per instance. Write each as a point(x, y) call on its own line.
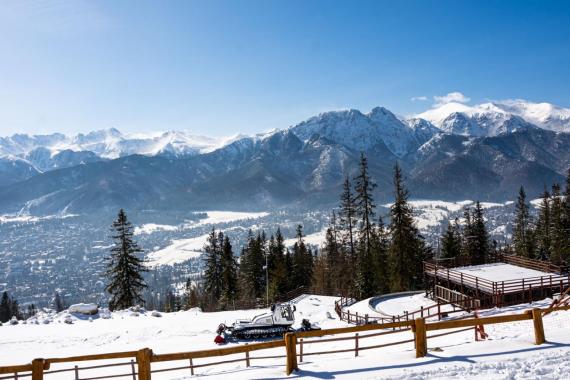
point(439, 310)
point(465, 280)
point(40, 368)
point(543, 266)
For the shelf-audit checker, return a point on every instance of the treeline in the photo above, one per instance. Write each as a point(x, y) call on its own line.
point(469, 239)
point(546, 237)
point(10, 308)
point(361, 256)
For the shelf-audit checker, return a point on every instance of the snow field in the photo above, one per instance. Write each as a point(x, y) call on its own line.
point(508, 354)
point(180, 250)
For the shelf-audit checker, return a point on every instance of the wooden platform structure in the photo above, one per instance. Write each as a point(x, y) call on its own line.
point(447, 282)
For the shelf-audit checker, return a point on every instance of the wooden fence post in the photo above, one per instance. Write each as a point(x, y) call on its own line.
point(291, 348)
point(143, 363)
point(421, 338)
point(538, 326)
point(301, 350)
point(247, 357)
point(356, 344)
point(38, 369)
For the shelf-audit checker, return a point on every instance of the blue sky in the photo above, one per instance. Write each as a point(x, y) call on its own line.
point(223, 67)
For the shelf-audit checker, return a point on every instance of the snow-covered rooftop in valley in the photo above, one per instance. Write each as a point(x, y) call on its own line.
point(509, 353)
point(500, 272)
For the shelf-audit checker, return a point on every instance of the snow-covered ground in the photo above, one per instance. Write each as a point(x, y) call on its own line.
point(314, 239)
point(509, 353)
point(178, 251)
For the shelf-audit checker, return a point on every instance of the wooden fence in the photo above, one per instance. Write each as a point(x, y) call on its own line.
point(439, 310)
point(140, 366)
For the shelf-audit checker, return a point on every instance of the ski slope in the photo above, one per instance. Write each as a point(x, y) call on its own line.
point(508, 354)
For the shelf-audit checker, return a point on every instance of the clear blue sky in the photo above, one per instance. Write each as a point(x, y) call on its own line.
point(222, 67)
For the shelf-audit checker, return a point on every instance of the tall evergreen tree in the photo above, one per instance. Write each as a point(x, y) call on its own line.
point(566, 207)
point(58, 303)
point(278, 276)
point(380, 247)
point(451, 241)
point(302, 261)
point(252, 275)
point(347, 214)
point(559, 250)
point(522, 229)
point(213, 265)
point(480, 242)
point(407, 248)
point(542, 231)
point(124, 267)
point(5, 307)
point(228, 275)
point(364, 202)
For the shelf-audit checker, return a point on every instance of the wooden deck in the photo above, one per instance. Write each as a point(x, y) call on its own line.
point(447, 281)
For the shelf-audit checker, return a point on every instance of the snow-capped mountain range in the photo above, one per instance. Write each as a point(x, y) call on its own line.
point(452, 151)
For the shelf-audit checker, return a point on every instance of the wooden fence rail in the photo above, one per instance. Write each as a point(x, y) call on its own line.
point(142, 368)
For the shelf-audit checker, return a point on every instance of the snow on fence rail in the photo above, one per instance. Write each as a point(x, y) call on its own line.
point(141, 366)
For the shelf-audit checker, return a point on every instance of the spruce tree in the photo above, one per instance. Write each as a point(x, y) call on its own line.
point(124, 267)
point(213, 266)
point(559, 249)
point(58, 303)
point(228, 275)
point(302, 258)
point(252, 275)
point(364, 202)
point(347, 214)
point(451, 241)
point(5, 307)
point(542, 231)
point(566, 208)
point(278, 277)
point(380, 247)
point(522, 228)
point(407, 249)
point(480, 242)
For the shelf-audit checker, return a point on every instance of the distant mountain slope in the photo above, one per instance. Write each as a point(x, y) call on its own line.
point(282, 169)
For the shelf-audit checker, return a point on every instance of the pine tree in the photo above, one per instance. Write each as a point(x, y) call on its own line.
point(542, 231)
point(302, 261)
point(522, 228)
point(213, 266)
point(5, 308)
point(559, 249)
point(124, 267)
point(380, 247)
point(252, 275)
point(228, 275)
point(566, 208)
point(451, 241)
point(278, 280)
point(347, 215)
point(407, 249)
point(364, 203)
point(58, 303)
point(337, 278)
point(480, 243)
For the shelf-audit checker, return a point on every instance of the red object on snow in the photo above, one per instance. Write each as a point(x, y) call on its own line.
point(219, 339)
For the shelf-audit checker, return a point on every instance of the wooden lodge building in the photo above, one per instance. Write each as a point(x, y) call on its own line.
point(506, 280)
